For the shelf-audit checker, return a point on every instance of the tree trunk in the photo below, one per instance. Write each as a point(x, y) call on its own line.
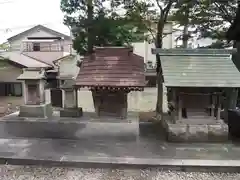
point(232, 94)
point(185, 36)
point(90, 26)
point(185, 30)
point(159, 104)
point(158, 44)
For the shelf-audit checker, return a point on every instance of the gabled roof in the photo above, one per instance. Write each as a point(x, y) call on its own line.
point(199, 68)
point(36, 28)
point(112, 67)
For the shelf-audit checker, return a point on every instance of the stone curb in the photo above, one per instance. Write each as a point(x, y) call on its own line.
point(187, 165)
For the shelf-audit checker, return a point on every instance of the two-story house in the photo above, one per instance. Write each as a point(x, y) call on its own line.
point(36, 47)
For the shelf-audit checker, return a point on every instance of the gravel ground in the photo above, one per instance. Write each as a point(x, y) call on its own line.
point(8, 172)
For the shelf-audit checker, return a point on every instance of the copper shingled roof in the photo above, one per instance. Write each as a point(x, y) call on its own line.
point(112, 67)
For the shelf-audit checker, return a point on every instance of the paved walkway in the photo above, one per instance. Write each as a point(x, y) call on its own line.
point(143, 152)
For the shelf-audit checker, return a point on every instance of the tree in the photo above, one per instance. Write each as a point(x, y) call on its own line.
point(233, 35)
point(93, 24)
point(206, 19)
point(213, 20)
point(153, 15)
point(183, 15)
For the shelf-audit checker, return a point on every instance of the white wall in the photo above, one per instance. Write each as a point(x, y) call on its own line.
point(68, 67)
point(144, 48)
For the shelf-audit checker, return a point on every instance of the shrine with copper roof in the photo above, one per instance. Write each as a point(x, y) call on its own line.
point(197, 80)
point(111, 73)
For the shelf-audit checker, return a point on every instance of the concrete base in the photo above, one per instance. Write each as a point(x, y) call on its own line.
point(71, 112)
point(196, 132)
point(38, 111)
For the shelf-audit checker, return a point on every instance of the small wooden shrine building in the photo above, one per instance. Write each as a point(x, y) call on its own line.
point(197, 80)
point(111, 73)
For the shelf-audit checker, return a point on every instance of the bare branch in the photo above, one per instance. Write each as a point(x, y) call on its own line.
point(167, 9)
point(160, 7)
point(225, 14)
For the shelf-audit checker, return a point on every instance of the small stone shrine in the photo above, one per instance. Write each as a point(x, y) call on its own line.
point(34, 94)
point(196, 80)
point(111, 73)
point(68, 71)
point(70, 99)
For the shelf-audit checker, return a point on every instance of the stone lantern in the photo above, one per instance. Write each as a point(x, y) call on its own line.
point(35, 104)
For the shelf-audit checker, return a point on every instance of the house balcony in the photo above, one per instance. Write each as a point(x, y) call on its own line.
point(46, 50)
point(42, 47)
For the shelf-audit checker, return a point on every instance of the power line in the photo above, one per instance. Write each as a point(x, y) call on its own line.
point(9, 29)
point(7, 2)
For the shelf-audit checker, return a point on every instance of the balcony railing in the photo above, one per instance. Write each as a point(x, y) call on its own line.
point(42, 47)
point(46, 47)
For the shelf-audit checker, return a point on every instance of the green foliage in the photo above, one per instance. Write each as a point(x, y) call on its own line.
point(109, 28)
point(207, 19)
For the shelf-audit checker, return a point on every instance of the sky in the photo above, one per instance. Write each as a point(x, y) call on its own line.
point(19, 15)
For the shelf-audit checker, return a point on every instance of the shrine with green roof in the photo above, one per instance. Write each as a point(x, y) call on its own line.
point(196, 81)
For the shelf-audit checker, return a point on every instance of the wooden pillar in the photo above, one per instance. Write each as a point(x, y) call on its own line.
point(174, 101)
point(179, 107)
point(218, 106)
point(212, 105)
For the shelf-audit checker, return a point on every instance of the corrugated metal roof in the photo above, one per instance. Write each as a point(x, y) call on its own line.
point(200, 71)
point(31, 75)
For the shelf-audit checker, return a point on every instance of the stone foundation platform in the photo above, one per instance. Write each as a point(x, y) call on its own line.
point(196, 132)
point(71, 112)
point(86, 128)
point(36, 111)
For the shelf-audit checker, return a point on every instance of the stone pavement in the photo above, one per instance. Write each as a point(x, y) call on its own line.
point(144, 152)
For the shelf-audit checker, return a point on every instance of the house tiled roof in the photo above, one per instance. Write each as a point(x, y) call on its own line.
point(23, 60)
point(199, 69)
point(112, 67)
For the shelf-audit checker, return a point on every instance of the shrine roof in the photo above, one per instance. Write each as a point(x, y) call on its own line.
point(112, 67)
point(198, 68)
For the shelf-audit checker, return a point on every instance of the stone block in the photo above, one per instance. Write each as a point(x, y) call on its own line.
point(218, 132)
point(177, 132)
point(198, 133)
point(37, 111)
point(71, 112)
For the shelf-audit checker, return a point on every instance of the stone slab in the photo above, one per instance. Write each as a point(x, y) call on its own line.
point(177, 133)
point(40, 111)
point(71, 112)
point(196, 133)
point(141, 153)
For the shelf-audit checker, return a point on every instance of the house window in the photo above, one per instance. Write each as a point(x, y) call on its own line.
point(36, 46)
point(10, 89)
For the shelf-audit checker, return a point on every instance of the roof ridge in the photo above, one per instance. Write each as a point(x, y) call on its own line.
point(37, 59)
point(38, 26)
